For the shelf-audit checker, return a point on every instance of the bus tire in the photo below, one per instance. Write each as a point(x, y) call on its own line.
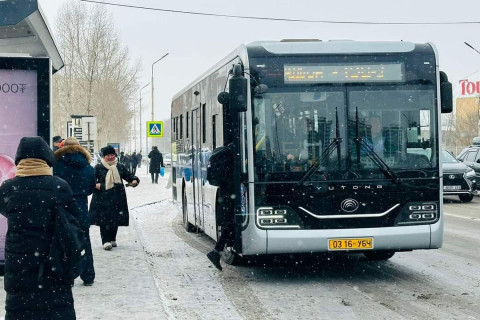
point(466, 197)
point(230, 257)
point(379, 255)
point(187, 225)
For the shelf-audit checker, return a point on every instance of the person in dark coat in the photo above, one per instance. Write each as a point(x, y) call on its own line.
point(121, 159)
point(134, 163)
point(56, 142)
point(139, 158)
point(27, 202)
point(127, 162)
point(156, 160)
point(109, 207)
point(73, 165)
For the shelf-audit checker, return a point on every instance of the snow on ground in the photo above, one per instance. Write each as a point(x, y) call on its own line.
point(124, 287)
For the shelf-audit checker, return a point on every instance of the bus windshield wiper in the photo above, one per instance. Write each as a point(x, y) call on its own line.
point(335, 144)
point(362, 144)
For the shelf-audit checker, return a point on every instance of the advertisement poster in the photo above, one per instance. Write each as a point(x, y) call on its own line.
point(18, 118)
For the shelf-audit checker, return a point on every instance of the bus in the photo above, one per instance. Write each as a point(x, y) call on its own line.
point(337, 147)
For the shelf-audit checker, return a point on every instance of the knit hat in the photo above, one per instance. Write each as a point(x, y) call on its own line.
point(108, 150)
point(34, 147)
point(57, 139)
point(71, 141)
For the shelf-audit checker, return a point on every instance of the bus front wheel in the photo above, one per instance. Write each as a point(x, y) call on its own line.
point(230, 257)
point(379, 255)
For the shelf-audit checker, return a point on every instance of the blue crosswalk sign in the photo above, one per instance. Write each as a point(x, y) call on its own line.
point(155, 128)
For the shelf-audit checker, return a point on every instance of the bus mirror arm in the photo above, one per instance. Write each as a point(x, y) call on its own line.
point(238, 90)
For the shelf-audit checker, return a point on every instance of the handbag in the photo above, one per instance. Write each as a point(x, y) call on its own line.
point(67, 254)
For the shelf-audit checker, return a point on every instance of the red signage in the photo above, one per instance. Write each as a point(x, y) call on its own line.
point(469, 87)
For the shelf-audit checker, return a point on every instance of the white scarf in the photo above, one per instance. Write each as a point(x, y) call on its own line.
point(112, 175)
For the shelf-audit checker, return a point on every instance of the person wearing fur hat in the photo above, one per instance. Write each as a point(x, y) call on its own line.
point(27, 201)
point(73, 165)
point(109, 207)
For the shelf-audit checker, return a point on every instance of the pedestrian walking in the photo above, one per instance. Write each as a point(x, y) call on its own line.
point(56, 142)
point(139, 158)
point(134, 163)
point(33, 291)
point(121, 159)
point(109, 207)
point(156, 161)
point(127, 162)
point(73, 165)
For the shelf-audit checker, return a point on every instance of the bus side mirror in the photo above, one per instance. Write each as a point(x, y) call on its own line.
point(238, 90)
point(446, 95)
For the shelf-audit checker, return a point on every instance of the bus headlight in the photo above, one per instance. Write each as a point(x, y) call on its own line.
point(277, 218)
point(418, 213)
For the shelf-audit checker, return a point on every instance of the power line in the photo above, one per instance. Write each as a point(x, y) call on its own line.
point(280, 19)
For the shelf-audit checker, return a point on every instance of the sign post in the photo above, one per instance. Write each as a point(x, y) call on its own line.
point(154, 129)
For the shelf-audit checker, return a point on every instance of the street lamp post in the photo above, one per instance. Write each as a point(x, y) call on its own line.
point(140, 115)
point(152, 85)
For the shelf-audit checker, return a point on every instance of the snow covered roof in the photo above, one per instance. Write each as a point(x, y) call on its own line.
point(24, 32)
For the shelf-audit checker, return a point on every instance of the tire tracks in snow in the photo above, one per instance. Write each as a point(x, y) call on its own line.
point(233, 284)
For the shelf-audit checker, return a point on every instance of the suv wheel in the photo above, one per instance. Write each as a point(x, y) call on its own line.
point(466, 197)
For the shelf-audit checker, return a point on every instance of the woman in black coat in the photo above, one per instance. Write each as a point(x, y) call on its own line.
point(109, 207)
point(156, 160)
point(27, 202)
point(73, 165)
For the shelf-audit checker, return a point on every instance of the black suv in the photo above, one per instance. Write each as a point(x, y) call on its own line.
point(458, 178)
point(471, 157)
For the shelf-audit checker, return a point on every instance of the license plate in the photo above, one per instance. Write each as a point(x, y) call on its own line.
point(452, 187)
point(350, 244)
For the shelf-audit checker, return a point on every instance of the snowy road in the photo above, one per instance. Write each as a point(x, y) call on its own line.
point(435, 284)
point(172, 279)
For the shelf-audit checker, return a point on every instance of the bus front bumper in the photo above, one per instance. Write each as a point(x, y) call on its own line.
point(388, 238)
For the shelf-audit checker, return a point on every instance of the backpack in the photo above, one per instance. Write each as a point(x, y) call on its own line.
point(68, 248)
point(220, 166)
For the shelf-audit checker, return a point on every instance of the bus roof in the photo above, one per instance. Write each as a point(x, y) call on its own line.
point(307, 46)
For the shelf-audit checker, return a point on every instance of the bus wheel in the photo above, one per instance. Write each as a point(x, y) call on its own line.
point(230, 257)
point(187, 225)
point(379, 255)
point(466, 197)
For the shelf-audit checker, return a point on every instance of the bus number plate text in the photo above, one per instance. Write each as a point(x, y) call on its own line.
point(350, 244)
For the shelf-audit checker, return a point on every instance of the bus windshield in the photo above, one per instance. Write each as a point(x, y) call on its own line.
point(295, 128)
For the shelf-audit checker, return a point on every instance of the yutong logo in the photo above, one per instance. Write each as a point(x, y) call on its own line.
point(451, 176)
point(349, 205)
point(362, 187)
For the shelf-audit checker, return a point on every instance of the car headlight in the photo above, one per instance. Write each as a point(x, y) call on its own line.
point(470, 173)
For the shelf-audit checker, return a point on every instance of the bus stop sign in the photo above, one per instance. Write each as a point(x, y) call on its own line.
point(155, 128)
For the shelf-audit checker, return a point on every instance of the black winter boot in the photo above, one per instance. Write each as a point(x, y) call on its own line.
point(214, 257)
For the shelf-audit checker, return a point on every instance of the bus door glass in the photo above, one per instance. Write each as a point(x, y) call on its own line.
point(197, 169)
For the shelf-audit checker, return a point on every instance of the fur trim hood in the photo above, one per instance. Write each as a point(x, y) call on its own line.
point(72, 149)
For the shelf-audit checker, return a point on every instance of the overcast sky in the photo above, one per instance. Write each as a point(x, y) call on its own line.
point(195, 43)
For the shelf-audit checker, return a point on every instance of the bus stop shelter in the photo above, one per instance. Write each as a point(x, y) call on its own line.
point(28, 59)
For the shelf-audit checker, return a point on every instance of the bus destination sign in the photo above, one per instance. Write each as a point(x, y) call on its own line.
point(334, 73)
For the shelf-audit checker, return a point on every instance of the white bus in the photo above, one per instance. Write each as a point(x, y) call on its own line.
point(338, 147)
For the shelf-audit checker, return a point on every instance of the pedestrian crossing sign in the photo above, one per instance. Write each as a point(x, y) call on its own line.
point(155, 128)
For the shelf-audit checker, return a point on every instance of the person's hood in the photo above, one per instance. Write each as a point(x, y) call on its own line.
point(74, 156)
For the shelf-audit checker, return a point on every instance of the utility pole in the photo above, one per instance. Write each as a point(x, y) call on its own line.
point(140, 117)
point(152, 119)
